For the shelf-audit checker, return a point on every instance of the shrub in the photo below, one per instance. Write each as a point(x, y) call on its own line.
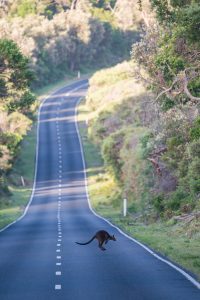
point(195, 130)
point(158, 203)
point(194, 175)
point(111, 152)
point(176, 199)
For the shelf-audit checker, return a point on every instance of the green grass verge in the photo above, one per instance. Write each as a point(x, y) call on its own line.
point(166, 238)
point(23, 166)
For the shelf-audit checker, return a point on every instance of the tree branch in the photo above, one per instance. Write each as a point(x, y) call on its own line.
point(183, 80)
point(185, 86)
point(156, 165)
point(167, 90)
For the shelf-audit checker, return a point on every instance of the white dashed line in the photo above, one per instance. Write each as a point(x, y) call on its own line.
point(58, 273)
point(58, 257)
point(58, 287)
point(58, 264)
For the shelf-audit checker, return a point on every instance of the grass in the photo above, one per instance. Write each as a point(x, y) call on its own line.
point(23, 166)
point(166, 238)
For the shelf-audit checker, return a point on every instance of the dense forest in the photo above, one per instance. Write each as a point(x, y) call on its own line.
point(149, 135)
point(41, 42)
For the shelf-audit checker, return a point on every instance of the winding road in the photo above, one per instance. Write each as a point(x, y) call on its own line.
point(39, 259)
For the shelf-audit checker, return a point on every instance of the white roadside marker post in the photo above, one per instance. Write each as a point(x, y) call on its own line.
point(22, 180)
point(125, 207)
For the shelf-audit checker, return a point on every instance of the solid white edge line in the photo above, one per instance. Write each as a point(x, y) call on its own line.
point(186, 275)
point(37, 148)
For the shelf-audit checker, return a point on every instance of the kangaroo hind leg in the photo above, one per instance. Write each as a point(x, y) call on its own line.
point(101, 246)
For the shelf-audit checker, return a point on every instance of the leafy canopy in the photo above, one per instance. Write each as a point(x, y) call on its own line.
point(15, 77)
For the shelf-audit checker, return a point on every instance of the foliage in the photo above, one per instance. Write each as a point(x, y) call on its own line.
point(190, 22)
point(168, 63)
point(16, 100)
point(59, 40)
point(117, 101)
point(40, 42)
point(195, 130)
point(26, 7)
point(111, 152)
point(170, 53)
point(151, 148)
point(158, 203)
point(15, 77)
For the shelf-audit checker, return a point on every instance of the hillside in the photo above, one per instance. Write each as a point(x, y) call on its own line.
point(143, 117)
point(122, 121)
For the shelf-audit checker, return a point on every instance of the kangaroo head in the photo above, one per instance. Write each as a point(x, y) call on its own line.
point(113, 238)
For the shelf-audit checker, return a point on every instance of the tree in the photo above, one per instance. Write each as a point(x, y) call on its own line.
point(15, 78)
point(167, 58)
point(15, 101)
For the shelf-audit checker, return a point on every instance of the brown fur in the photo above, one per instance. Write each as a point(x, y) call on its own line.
point(102, 236)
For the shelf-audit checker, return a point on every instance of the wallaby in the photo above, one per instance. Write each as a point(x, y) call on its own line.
point(102, 236)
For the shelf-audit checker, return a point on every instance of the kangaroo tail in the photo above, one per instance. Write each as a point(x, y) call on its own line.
point(86, 242)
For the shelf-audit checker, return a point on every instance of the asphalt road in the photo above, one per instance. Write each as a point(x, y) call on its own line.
point(39, 259)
